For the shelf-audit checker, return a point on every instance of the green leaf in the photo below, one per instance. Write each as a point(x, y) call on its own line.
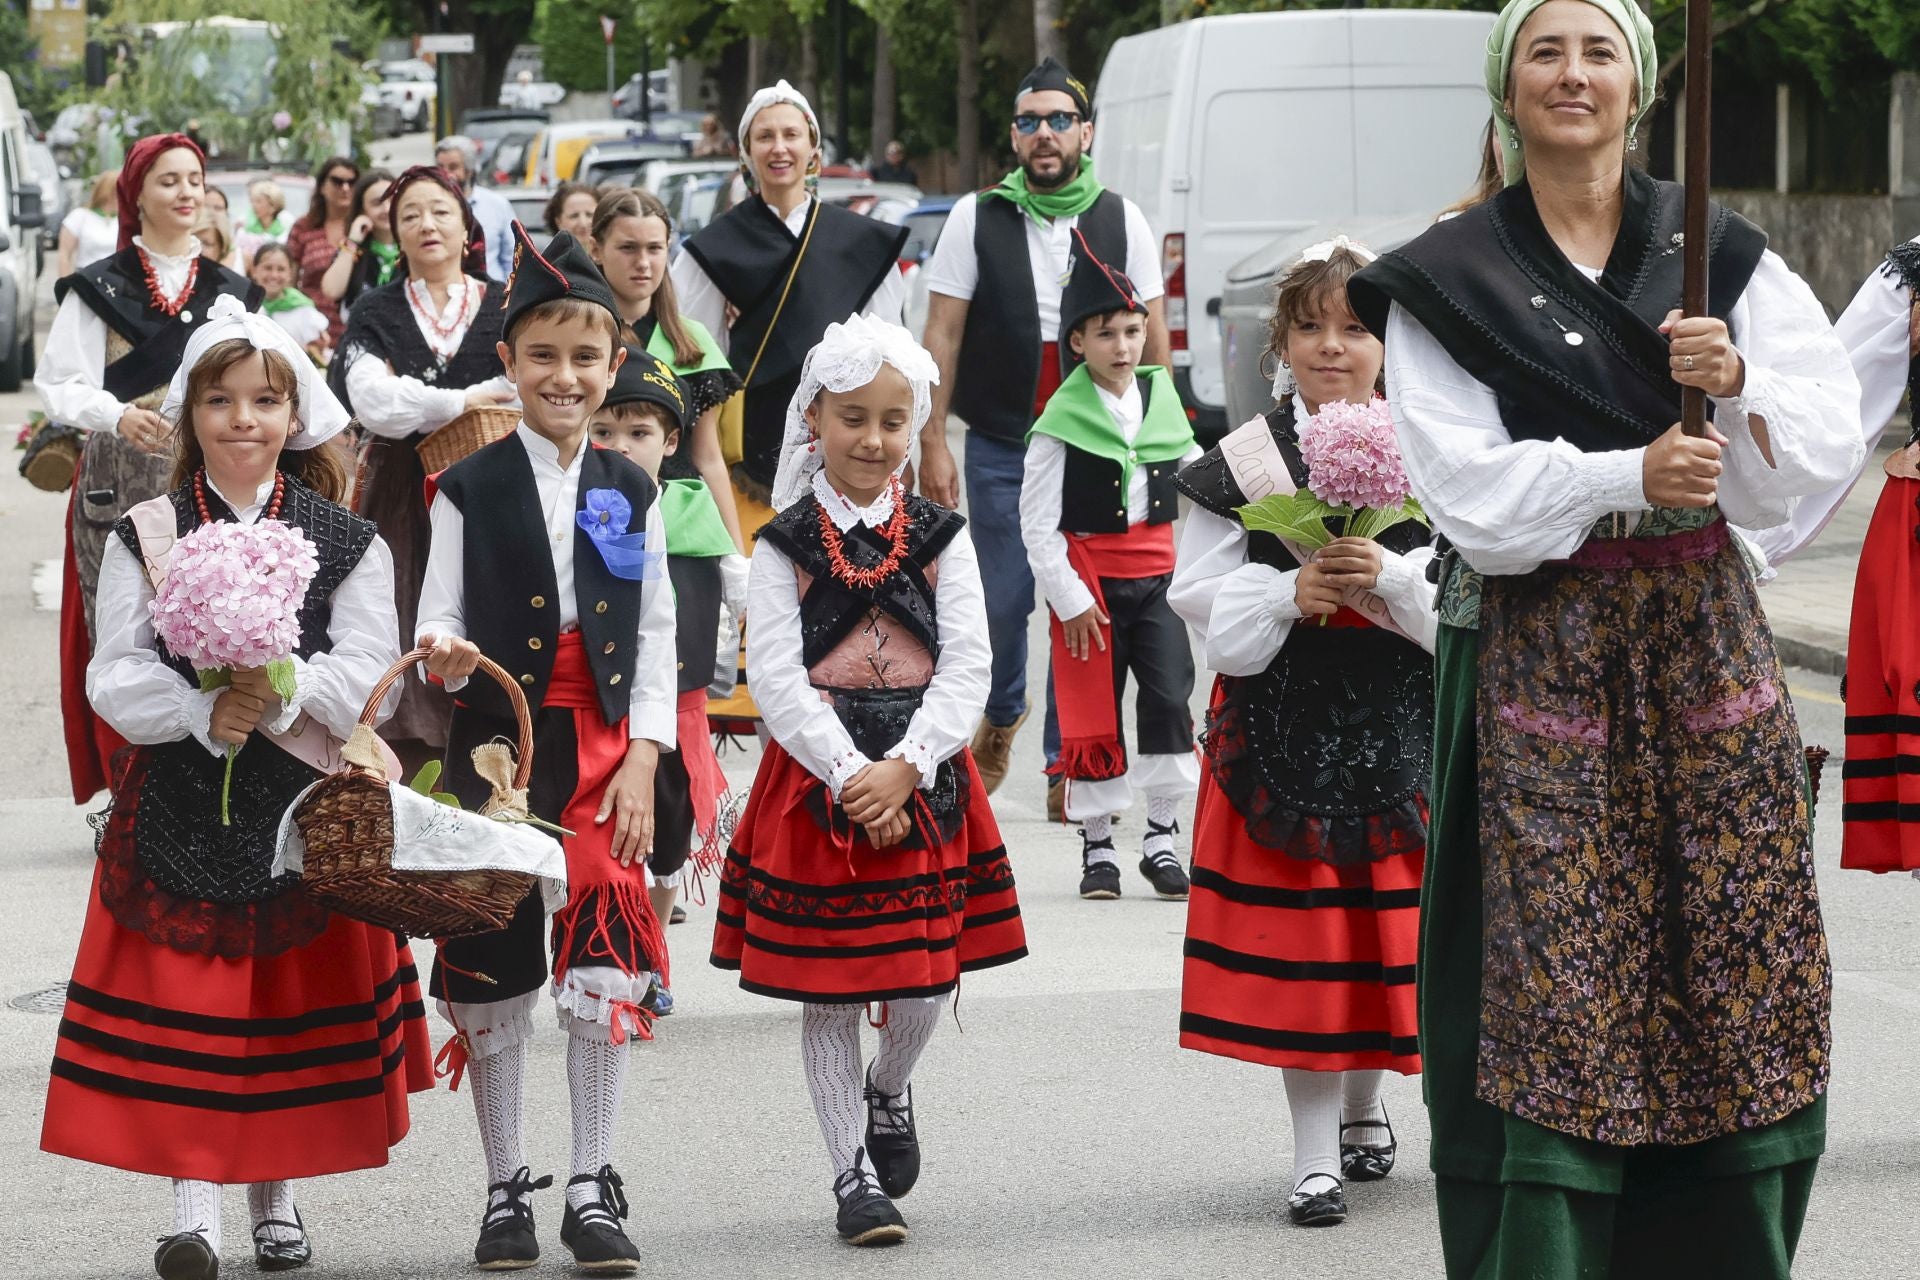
point(1300, 517)
point(429, 774)
point(215, 678)
point(280, 676)
point(446, 798)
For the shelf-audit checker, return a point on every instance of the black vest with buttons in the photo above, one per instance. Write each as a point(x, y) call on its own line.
point(1093, 495)
point(696, 618)
point(512, 607)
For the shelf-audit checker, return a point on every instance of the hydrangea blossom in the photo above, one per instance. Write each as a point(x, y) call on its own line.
point(232, 594)
point(1352, 456)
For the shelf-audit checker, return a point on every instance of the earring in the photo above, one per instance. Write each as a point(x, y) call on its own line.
point(1513, 142)
point(1633, 137)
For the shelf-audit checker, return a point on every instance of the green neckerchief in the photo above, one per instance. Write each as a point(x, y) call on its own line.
point(1076, 415)
point(388, 254)
point(694, 526)
point(1069, 201)
point(290, 299)
point(278, 231)
point(709, 357)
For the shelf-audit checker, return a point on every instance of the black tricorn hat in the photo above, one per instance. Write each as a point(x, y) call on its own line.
point(1093, 289)
point(565, 270)
point(647, 379)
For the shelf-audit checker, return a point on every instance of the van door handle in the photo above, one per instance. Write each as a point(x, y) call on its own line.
point(1213, 307)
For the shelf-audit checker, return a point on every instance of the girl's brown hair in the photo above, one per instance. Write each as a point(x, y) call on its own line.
point(322, 469)
point(558, 202)
point(628, 202)
point(273, 248)
point(1305, 289)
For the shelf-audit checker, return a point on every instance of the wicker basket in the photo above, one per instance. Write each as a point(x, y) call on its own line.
point(53, 457)
point(469, 433)
point(347, 824)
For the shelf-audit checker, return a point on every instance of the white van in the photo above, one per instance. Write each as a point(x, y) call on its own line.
point(20, 221)
point(1229, 131)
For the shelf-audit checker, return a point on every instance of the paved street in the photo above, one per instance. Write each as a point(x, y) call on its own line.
point(1065, 1133)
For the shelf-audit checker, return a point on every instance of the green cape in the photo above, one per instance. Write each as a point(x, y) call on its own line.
point(1077, 416)
point(694, 526)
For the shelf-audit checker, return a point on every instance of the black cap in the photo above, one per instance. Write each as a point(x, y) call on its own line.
point(1051, 75)
point(565, 270)
point(647, 379)
point(1093, 289)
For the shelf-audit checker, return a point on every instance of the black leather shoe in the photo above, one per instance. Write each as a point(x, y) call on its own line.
point(1164, 872)
point(1325, 1207)
point(281, 1255)
point(1367, 1164)
point(1098, 880)
point(507, 1241)
point(186, 1255)
point(594, 1233)
point(893, 1144)
point(866, 1216)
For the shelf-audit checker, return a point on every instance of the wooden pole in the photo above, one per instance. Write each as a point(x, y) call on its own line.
point(1699, 163)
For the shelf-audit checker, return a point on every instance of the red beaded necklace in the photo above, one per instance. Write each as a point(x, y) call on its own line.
point(162, 303)
point(895, 531)
point(273, 504)
point(425, 312)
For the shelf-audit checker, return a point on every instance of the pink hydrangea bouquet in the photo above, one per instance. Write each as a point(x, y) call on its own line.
point(231, 599)
point(1354, 476)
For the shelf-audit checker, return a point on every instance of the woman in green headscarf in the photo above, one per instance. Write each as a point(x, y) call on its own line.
point(1624, 987)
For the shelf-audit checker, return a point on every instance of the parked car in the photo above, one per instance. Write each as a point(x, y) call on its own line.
point(534, 94)
point(863, 195)
point(407, 88)
point(529, 204)
point(924, 223)
point(626, 99)
point(54, 202)
point(233, 183)
point(503, 161)
point(699, 204)
point(619, 160)
point(20, 219)
point(1359, 114)
point(553, 156)
point(664, 176)
point(490, 128)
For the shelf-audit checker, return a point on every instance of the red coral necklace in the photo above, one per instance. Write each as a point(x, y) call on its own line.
point(273, 504)
point(161, 302)
point(895, 531)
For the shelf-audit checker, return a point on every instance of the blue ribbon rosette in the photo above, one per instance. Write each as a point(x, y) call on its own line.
point(605, 517)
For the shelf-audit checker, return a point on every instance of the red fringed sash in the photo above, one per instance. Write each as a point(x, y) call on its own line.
point(1090, 747)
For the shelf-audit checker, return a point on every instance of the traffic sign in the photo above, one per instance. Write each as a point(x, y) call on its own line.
point(448, 42)
point(606, 27)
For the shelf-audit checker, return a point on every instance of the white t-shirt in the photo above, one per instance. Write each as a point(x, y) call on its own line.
point(954, 268)
point(97, 234)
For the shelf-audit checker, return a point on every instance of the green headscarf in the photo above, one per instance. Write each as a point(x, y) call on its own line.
point(1506, 30)
point(1069, 201)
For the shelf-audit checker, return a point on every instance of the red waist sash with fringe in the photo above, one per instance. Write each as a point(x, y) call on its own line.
point(1090, 747)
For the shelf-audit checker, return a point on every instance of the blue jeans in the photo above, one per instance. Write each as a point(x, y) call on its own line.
point(994, 469)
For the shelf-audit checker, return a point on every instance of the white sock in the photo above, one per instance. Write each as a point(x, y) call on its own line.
point(1360, 1103)
point(498, 1085)
point(1100, 828)
point(196, 1207)
point(1163, 811)
point(273, 1201)
point(1313, 1099)
point(596, 1077)
point(830, 1052)
point(910, 1025)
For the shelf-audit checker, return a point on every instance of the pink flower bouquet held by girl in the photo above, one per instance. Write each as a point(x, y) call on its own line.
point(231, 600)
point(1354, 475)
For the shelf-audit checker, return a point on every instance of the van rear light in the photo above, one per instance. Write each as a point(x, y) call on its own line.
point(1173, 266)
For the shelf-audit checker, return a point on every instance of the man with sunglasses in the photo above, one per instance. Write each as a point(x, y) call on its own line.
point(993, 309)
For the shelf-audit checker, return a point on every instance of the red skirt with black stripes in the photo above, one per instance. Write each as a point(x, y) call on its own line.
point(807, 916)
point(238, 1068)
point(1295, 962)
point(1881, 778)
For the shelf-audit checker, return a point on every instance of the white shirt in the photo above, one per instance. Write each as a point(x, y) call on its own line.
point(954, 268)
point(395, 406)
point(96, 235)
point(1041, 490)
point(1874, 330)
point(1510, 504)
point(73, 368)
point(147, 701)
point(797, 716)
point(443, 598)
point(303, 324)
point(700, 298)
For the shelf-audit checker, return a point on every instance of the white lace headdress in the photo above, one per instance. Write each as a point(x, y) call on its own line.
point(321, 415)
point(846, 357)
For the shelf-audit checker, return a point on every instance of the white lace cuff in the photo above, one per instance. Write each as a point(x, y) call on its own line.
point(842, 767)
point(199, 712)
point(493, 1025)
point(920, 756)
point(1756, 400)
point(1280, 597)
point(291, 707)
point(590, 997)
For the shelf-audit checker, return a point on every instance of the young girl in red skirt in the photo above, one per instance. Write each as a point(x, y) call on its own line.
point(1310, 829)
point(867, 868)
point(220, 1025)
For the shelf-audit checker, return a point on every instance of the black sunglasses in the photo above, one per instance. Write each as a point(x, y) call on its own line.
point(1059, 121)
point(341, 180)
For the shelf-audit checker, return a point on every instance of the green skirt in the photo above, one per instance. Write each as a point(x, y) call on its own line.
point(1517, 1199)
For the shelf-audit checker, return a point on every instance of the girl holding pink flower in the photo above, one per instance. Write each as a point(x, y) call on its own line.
point(1310, 829)
point(221, 1026)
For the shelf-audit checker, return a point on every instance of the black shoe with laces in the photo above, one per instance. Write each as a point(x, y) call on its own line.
point(893, 1144)
point(866, 1216)
point(1099, 879)
point(598, 1241)
point(1162, 869)
point(1325, 1205)
point(507, 1242)
point(1360, 1163)
point(270, 1254)
point(186, 1255)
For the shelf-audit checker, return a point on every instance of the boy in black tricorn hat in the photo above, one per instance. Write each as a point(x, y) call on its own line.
point(1097, 504)
point(560, 578)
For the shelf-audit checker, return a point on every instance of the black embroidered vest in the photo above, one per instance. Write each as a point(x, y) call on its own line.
point(1000, 349)
point(512, 605)
point(382, 325)
point(183, 846)
point(1093, 495)
point(696, 618)
point(115, 289)
point(1567, 357)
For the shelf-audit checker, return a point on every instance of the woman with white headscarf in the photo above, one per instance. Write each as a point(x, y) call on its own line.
point(1624, 982)
point(870, 663)
point(221, 1026)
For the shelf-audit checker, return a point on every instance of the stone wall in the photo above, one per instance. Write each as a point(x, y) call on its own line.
point(1832, 241)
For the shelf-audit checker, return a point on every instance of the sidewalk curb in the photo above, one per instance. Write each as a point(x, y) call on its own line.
point(1812, 655)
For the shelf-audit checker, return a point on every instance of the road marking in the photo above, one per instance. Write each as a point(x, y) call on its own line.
point(46, 585)
point(1801, 693)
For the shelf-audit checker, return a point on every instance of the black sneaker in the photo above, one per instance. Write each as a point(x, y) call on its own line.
point(1162, 867)
point(594, 1233)
point(270, 1254)
point(893, 1144)
point(186, 1255)
point(1364, 1162)
point(506, 1229)
point(678, 915)
point(866, 1216)
point(1098, 879)
point(1324, 1206)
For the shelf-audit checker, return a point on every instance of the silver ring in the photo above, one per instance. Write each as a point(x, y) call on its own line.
point(1688, 363)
